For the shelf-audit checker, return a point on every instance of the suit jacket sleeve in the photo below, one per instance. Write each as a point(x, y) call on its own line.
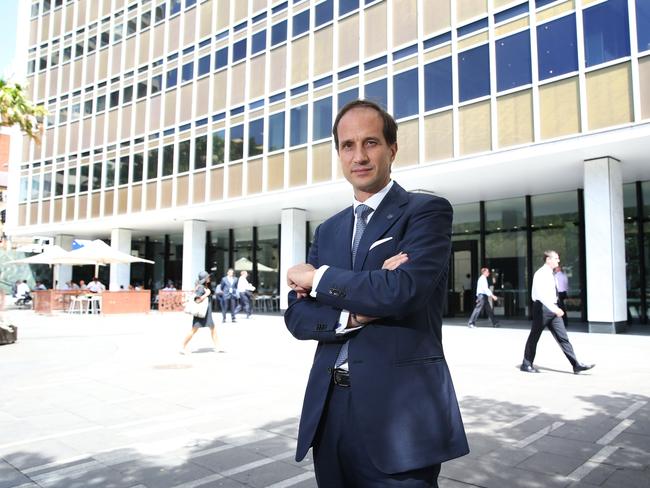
point(381, 293)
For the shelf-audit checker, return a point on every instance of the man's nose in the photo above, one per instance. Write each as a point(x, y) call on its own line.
point(360, 155)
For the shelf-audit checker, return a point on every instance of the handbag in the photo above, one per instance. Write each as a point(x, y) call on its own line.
point(197, 309)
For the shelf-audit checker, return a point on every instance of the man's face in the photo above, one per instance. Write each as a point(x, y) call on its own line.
point(230, 273)
point(486, 273)
point(365, 155)
point(553, 260)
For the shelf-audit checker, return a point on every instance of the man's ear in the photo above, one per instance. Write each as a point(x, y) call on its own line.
point(393, 150)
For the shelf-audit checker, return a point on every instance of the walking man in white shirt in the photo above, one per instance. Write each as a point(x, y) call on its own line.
point(546, 313)
point(482, 293)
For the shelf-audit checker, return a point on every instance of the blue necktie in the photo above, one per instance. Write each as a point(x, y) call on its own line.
point(362, 211)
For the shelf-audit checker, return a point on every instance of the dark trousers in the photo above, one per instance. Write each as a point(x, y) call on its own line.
point(482, 303)
point(340, 459)
point(229, 303)
point(542, 318)
point(561, 296)
point(245, 303)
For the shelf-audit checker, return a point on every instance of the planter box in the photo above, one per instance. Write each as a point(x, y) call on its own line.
point(8, 337)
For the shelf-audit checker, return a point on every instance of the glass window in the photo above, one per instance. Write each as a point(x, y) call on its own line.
point(174, 6)
point(255, 137)
point(276, 131)
point(84, 178)
point(346, 6)
point(160, 12)
point(114, 99)
point(259, 42)
point(322, 118)
point(437, 84)
point(300, 23)
point(347, 96)
point(405, 94)
point(236, 142)
point(124, 170)
point(63, 115)
point(168, 160)
point(204, 65)
point(377, 91)
point(92, 44)
point(105, 38)
point(188, 71)
point(239, 50)
point(643, 24)
point(138, 163)
point(298, 134)
point(324, 12)
point(474, 73)
point(24, 185)
point(557, 51)
point(142, 89)
point(184, 156)
point(58, 184)
point(189, 3)
point(67, 53)
point(75, 113)
point(127, 94)
point(156, 84)
point(172, 77)
point(513, 61)
point(607, 34)
point(268, 259)
point(152, 164)
point(47, 184)
point(131, 26)
point(145, 20)
point(200, 151)
point(117, 33)
point(279, 33)
point(218, 144)
point(88, 107)
point(110, 173)
point(36, 185)
point(221, 58)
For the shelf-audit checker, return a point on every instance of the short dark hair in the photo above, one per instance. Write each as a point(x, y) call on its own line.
point(390, 126)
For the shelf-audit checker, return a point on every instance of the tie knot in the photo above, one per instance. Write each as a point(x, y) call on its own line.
point(362, 211)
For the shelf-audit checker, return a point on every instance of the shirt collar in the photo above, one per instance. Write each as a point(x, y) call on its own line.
point(374, 201)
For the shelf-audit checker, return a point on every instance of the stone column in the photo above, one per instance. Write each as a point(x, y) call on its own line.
point(120, 273)
point(605, 245)
point(62, 272)
point(293, 243)
point(193, 251)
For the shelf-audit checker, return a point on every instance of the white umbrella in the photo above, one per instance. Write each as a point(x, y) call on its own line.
point(245, 264)
point(49, 254)
point(98, 253)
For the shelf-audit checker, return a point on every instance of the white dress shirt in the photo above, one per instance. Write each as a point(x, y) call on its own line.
point(544, 288)
point(482, 287)
point(243, 285)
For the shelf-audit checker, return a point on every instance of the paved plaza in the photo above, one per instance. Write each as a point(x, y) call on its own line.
point(108, 401)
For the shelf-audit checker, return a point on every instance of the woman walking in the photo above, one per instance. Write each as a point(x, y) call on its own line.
point(202, 292)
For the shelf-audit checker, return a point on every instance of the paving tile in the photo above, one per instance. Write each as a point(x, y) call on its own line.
point(579, 450)
point(10, 476)
point(599, 474)
point(626, 457)
point(633, 441)
point(39, 453)
point(268, 474)
point(488, 475)
point(628, 478)
point(546, 462)
point(225, 460)
point(272, 446)
point(587, 430)
point(507, 456)
point(162, 473)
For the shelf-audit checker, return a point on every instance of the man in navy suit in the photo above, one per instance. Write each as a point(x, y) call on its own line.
point(229, 295)
point(380, 409)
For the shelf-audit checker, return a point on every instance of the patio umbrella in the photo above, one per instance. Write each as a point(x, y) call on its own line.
point(245, 264)
point(46, 257)
point(99, 253)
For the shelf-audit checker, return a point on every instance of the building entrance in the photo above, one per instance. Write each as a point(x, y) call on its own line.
point(461, 280)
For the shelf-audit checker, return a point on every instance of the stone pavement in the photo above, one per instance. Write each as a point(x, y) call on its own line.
point(109, 402)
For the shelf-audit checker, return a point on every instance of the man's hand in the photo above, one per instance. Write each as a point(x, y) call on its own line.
point(559, 313)
point(300, 278)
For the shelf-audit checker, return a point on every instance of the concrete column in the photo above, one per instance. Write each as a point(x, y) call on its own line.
point(62, 272)
point(193, 251)
point(293, 242)
point(605, 246)
point(120, 273)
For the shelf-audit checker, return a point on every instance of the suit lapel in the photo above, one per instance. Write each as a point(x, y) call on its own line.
point(341, 240)
point(389, 211)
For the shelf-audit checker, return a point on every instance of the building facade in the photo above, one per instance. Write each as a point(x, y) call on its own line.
point(198, 134)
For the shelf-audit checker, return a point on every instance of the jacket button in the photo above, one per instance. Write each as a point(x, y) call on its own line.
point(329, 370)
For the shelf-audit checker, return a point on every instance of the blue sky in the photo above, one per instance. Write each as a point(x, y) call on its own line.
point(8, 33)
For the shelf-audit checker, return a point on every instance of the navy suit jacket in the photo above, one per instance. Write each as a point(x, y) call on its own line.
point(402, 396)
point(225, 288)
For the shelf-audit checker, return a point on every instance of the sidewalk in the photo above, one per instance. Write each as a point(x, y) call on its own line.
point(109, 402)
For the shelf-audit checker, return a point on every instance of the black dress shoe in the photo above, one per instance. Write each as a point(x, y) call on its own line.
point(497, 325)
point(582, 367)
point(529, 368)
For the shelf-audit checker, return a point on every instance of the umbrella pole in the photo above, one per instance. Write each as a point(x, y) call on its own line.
point(97, 270)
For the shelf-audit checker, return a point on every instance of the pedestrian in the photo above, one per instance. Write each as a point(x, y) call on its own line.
point(380, 408)
point(562, 285)
point(483, 294)
point(229, 297)
point(245, 291)
point(202, 292)
point(546, 313)
point(96, 286)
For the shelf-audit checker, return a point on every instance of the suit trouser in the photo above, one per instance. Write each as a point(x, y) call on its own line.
point(542, 318)
point(229, 303)
point(245, 303)
point(481, 303)
point(340, 457)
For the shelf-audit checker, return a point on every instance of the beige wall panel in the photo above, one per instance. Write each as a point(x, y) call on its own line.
point(238, 84)
point(644, 86)
point(254, 176)
point(45, 212)
point(186, 102)
point(126, 121)
point(173, 34)
point(99, 129)
point(511, 27)
point(56, 27)
point(609, 96)
point(106, 8)
point(61, 133)
point(257, 76)
point(298, 167)
point(182, 190)
point(235, 176)
point(241, 10)
point(140, 116)
point(90, 69)
point(300, 57)
point(475, 129)
point(515, 118)
point(82, 210)
point(122, 200)
point(102, 69)
point(130, 53)
point(65, 75)
point(41, 87)
point(87, 126)
point(376, 38)
point(22, 214)
point(219, 91)
point(33, 31)
point(436, 15)
point(202, 97)
point(473, 40)
point(559, 108)
point(69, 17)
point(117, 59)
point(158, 40)
point(26, 145)
point(408, 143)
point(143, 51)
point(322, 162)
point(78, 74)
point(405, 21)
point(109, 198)
point(502, 3)
point(279, 68)
point(166, 193)
point(95, 205)
point(33, 213)
point(349, 40)
point(275, 177)
point(45, 30)
point(170, 108)
point(52, 86)
point(439, 136)
point(48, 148)
point(112, 126)
point(441, 52)
point(74, 138)
point(223, 14)
point(58, 210)
point(300, 100)
point(216, 184)
point(151, 196)
point(323, 44)
point(189, 32)
point(469, 9)
point(259, 4)
point(198, 193)
point(409, 63)
point(154, 112)
point(205, 28)
point(557, 10)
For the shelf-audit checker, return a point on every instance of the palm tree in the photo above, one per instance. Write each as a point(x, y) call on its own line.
point(16, 109)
